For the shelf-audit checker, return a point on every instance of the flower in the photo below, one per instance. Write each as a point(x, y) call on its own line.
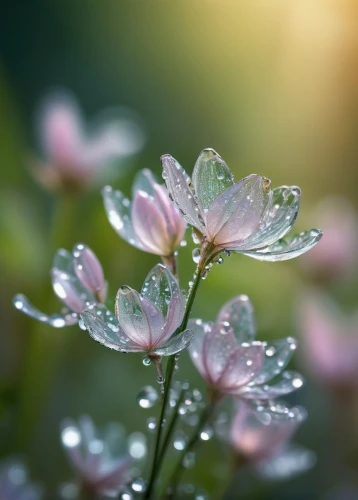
point(72, 157)
point(230, 360)
point(14, 484)
point(101, 463)
point(77, 280)
point(261, 436)
point(330, 340)
point(336, 256)
point(151, 222)
point(246, 217)
point(143, 322)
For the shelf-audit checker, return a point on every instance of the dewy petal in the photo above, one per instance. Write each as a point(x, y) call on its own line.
point(141, 321)
point(64, 262)
point(293, 460)
point(218, 349)
point(116, 477)
point(108, 333)
point(149, 224)
point(118, 209)
point(277, 356)
point(23, 304)
point(177, 182)
point(236, 214)
point(199, 329)
point(243, 365)
point(174, 222)
point(175, 344)
point(162, 289)
point(211, 177)
point(287, 382)
point(70, 291)
point(144, 181)
point(88, 269)
point(278, 220)
point(287, 248)
point(239, 313)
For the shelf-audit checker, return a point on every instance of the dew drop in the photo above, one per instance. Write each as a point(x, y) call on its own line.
point(139, 485)
point(126, 495)
point(179, 441)
point(189, 460)
point(206, 434)
point(152, 424)
point(147, 361)
point(196, 255)
point(147, 397)
point(183, 243)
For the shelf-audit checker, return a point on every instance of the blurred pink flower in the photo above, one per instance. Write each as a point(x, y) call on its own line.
point(77, 280)
point(143, 322)
point(101, 462)
point(330, 340)
point(151, 222)
point(14, 484)
point(232, 362)
point(336, 255)
point(73, 157)
point(246, 217)
point(261, 435)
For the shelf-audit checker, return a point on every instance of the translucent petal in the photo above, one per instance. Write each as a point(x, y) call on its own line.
point(211, 177)
point(23, 304)
point(118, 209)
point(277, 221)
point(237, 213)
point(239, 313)
point(162, 289)
point(177, 182)
point(175, 344)
point(218, 349)
point(242, 366)
point(278, 354)
point(139, 318)
point(88, 269)
point(290, 462)
point(64, 261)
point(149, 225)
point(199, 329)
point(144, 181)
point(175, 224)
point(70, 291)
point(116, 477)
point(287, 248)
point(108, 333)
point(286, 383)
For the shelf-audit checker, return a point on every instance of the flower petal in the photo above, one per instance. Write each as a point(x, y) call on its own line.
point(118, 209)
point(149, 224)
point(278, 220)
point(70, 291)
point(236, 214)
point(196, 348)
point(287, 248)
point(23, 304)
point(64, 261)
point(144, 181)
point(290, 462)
point(108, 334)
point(175, 344)
point(287, 382)
point(211, 177)
point(241, 368)
point(277, 356)
point(88, 269)
point(218, 349)
point(239, 313)
point(162, 289)
point(175, 224)
point(141, 321)
point(177, 182)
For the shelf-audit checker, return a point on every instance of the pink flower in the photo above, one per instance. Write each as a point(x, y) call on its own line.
point(232, 362)
point(91, 456)
point(143, 322)
point(14, 484)
point(262, 436)
point(330, 340)
point(151, 222)
point(72, 157)
point(336, 256)
point(246, 217)
point(77, 280)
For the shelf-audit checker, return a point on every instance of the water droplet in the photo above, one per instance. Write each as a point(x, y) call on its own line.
point(196, 255)
point(296, 191)
point(126, 495)
point(147, 361)
point(227, 253)
point(183, 243)
point(152, 424)
point(189, 460)
point(221, 175)
point(147, 397)
point(179, 441)
point(270, 351)
point(225, 328)
point(206, 434)
point(139, 485)
point(137, 445)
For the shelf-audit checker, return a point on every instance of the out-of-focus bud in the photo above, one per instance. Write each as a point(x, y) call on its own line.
point(336, 255)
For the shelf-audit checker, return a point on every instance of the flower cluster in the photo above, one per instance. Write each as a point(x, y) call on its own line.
point(245, 217)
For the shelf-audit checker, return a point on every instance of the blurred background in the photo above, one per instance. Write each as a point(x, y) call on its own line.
point(272, 85)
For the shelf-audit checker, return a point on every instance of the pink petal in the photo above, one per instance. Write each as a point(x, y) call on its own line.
point(174, 222)
point(239, 313)
point(67, 291)
point(88, 269)
point(149, 225)
point(236, 214)
point(196, 348)
point(218, 348)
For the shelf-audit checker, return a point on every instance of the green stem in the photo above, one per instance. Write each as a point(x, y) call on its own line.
point(172, 263)
point(168, 379)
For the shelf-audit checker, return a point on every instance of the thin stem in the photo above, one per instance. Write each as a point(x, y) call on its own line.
point(171, 262)
point(204, 419)
point(169, 375)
